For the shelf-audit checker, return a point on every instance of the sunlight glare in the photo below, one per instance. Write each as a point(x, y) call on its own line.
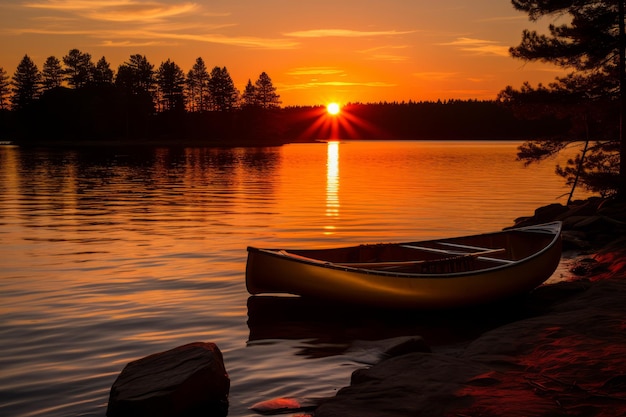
point(333, 108)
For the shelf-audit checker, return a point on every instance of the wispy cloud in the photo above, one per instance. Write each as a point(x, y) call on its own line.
point(154, 23)
point(128, 44)
point(143, 13)
point(388, 58)
point(117, 10)
point(62, 32)
point(316, 71)
point(385, 53)
point(342, 33)
point(246, 41)
point(77, 4)
point(317, 84)
point(135, 37)
point(243, 41)
point(479, 46)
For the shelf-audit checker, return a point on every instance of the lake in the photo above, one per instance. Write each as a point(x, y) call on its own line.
point(111, 254)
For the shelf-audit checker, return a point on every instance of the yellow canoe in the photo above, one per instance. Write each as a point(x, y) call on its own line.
point(444, 273)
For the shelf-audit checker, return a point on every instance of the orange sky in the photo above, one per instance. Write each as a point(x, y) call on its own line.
point(314, 52)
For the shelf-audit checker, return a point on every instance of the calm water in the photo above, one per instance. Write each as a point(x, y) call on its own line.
point(110, 255)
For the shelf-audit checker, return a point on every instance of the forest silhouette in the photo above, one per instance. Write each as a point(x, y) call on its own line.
point(105, 114)
point(84, 103)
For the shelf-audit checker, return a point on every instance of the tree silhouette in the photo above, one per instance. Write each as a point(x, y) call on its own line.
point(248, 98)
point(136, 75)
point(170, 80)
point(588, 45)
point(102, 73)
point(224, 95)
point(78, 68)
point(52, 73)
point(26, 83)
point(265, 92)
point(135, 82)
point(198, 86)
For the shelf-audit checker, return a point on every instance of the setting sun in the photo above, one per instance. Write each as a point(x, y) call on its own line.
point(333, 108)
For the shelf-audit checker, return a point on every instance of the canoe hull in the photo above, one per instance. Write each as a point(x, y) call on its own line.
point(270, 272)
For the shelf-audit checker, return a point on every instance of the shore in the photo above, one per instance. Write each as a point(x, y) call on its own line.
point(566, 356)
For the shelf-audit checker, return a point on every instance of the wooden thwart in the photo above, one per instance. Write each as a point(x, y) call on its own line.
point(482, 251)
point(382, 265)
point(456, 257)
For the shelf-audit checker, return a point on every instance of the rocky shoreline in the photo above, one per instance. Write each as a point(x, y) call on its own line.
point(565, 356)
point(558, 351)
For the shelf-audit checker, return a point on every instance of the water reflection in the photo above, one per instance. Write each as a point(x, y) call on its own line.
point(332, 184)
point(70, 190)
point(330, 328)
point(108, 255)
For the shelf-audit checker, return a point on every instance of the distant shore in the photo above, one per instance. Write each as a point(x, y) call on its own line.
point(74, 119)
point(199, 143)
point(563, 353)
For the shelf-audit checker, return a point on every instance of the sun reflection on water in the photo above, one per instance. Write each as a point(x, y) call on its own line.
point(332, 184)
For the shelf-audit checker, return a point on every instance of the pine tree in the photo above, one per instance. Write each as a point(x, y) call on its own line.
point(136, 75)
point(79, 68)
point(198, 86)
point(102, 73)
point(170, 80)
point(223, 93)
point(265, 92)
point(248, 99)
point(26, 83)
point(589, 46)
point(52, 73)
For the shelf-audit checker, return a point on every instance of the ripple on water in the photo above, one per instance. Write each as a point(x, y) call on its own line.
point(109, 256)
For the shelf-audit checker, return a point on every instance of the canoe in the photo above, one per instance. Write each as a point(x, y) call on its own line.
point(433, 274)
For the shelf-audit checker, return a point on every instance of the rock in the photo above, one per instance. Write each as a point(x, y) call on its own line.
point(543, 214)
point(569, 223)
point(567, 361)
point(286, 404)
point(550, 212)
point(581, 208)
point(575, 240)
point(374, 351)
point(187, 380)
point(614, 209)
point(584, 267)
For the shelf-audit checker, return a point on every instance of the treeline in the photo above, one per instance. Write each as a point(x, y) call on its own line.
point(73, 100)
point(88, 115)
point(443, 120)
point(167, 87)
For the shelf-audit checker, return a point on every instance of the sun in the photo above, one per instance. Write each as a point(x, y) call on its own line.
point(333, 108)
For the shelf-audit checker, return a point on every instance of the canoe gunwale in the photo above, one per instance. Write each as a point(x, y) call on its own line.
point(553, 229)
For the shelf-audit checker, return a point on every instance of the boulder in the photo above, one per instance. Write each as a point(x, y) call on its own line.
point(550, 212)
point(185, 381)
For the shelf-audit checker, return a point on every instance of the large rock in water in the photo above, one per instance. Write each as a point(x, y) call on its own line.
point(185, 381)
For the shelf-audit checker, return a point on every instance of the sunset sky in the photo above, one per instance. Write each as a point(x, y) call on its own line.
point(314, 52)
